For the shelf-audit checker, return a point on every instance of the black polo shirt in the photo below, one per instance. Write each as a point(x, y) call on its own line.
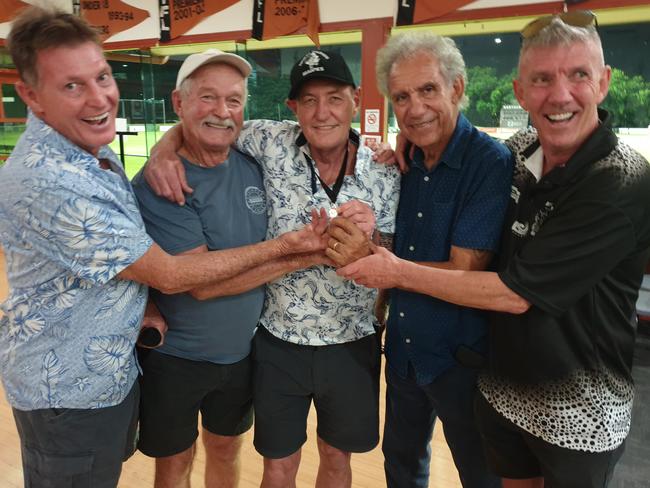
point(575, 246)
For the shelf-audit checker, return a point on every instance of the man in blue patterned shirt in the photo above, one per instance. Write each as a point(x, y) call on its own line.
point(78, 260)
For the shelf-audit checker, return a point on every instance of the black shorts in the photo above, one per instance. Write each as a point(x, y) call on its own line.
point(341, 379)
point(174, 390)
point(513, 453)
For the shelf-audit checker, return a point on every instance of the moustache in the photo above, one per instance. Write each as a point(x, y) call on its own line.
point(220, 123)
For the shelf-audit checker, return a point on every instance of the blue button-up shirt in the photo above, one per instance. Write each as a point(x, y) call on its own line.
point(460, 202)
point(68, 228)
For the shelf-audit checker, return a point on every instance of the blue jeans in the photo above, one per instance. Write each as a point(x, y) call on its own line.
point(411, 412)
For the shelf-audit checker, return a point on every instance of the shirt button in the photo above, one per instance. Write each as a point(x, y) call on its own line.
point(401, 314)
point(426, 178)
point(407, 340)
point(411, 248)
point(419, 215)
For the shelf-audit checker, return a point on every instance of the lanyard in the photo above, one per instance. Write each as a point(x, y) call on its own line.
point(332, 192)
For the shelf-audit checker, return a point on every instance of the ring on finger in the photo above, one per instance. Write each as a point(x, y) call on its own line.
point(335, 246)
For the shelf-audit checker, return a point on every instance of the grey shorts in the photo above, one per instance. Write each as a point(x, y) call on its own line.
point(77, 448)
point(341, 379)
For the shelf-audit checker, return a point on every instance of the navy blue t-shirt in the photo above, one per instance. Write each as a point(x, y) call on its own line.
point(461, 202)
point(227, 209)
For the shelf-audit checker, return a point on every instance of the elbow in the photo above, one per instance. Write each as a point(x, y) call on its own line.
point(518, 305)
point(167, 283)
point(199, 294)
point(167, 288)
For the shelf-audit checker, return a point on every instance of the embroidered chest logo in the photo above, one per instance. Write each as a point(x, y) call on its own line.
point(255, 200)
point(521, 229)
point(541, 217)
point(515, 193)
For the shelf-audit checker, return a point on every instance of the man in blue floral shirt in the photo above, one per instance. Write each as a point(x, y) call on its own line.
point(78, 260)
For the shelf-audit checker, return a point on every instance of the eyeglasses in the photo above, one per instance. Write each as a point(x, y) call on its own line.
point(575, 18)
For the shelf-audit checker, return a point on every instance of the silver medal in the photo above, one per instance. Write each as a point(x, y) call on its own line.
point(332, 213)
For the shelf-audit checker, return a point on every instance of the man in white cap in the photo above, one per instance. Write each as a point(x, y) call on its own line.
point(316, 341)
point(204, 364)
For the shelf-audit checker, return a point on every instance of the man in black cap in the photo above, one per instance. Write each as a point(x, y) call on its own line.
point(317, 339)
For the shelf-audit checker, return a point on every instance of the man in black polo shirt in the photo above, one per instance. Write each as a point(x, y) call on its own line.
point(555, 405)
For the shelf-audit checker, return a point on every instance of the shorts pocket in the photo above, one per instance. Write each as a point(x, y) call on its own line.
point(46, 470)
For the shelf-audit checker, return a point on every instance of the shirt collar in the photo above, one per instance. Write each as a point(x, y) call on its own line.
point(453, 154)
point(59, 140)
point(598, 145)
point(353, 137)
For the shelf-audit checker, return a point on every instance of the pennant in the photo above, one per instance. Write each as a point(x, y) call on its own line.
point(273, 18)
point(10, 8)
point(179, 16)
point(111, 16)
point(418, 11)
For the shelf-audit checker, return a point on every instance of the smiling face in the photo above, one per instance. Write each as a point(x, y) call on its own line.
point(561, 86)
point(75, 94)
point(212, 109)
point(425, 104)
point(324, 110)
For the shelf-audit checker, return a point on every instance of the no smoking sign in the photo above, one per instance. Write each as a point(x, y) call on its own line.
point(371, 118)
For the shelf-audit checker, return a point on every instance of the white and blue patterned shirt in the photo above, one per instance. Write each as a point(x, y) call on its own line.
point(315, 306)
point(68, 228)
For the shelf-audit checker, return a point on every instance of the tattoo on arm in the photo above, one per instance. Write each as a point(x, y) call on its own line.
point(384, 240)
point(480, 256)
point(470, 259)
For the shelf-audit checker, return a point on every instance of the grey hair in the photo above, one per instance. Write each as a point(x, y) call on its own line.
point(410, 44)
point(186, 85)
point(559, 33)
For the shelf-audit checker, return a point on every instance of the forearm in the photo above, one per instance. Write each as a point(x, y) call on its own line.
point(476, 289)
point(171, 141)
point(175, 274)
point(381, 306)
point(211, 267)
point(463, 259)
point(383, 239)
point(440, 265)
point(252, 278)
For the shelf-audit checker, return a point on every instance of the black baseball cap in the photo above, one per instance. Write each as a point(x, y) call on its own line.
point(319, 65)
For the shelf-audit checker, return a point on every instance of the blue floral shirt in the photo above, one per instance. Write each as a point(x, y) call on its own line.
point(68, 228)
point(315, 306)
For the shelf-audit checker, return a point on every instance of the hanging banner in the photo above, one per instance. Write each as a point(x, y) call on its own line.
point(418, 11)
point(273, 18)
point(179, 16)
point(111, 16)
point(9, 9)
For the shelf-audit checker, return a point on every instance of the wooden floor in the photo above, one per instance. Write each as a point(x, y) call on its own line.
point(367, 470)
